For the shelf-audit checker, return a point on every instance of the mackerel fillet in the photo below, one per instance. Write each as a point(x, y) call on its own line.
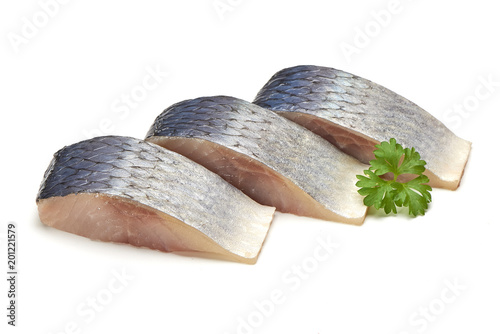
point(126, 190)
point(268, 157)
point(355, 114)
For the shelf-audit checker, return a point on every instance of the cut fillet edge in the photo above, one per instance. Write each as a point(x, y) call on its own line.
point(117, 219)
point(293, 199)
point(361, 147)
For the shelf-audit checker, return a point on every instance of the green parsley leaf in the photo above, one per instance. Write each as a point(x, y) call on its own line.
point(391, 157)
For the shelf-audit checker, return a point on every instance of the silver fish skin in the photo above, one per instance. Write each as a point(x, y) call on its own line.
point(355, 114)
point(265, 155)
point(159, 191)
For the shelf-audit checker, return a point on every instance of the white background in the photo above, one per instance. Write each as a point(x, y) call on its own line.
point(66, 79)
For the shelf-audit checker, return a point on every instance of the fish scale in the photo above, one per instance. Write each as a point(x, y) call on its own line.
point(344, 105)
point(174, 185)
point(265, 139)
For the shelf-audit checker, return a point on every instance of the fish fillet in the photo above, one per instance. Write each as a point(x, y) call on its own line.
point(271, 159)
point(355, 114)
point(126, 190)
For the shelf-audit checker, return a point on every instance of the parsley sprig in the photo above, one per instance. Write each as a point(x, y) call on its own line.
point(391, 157)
